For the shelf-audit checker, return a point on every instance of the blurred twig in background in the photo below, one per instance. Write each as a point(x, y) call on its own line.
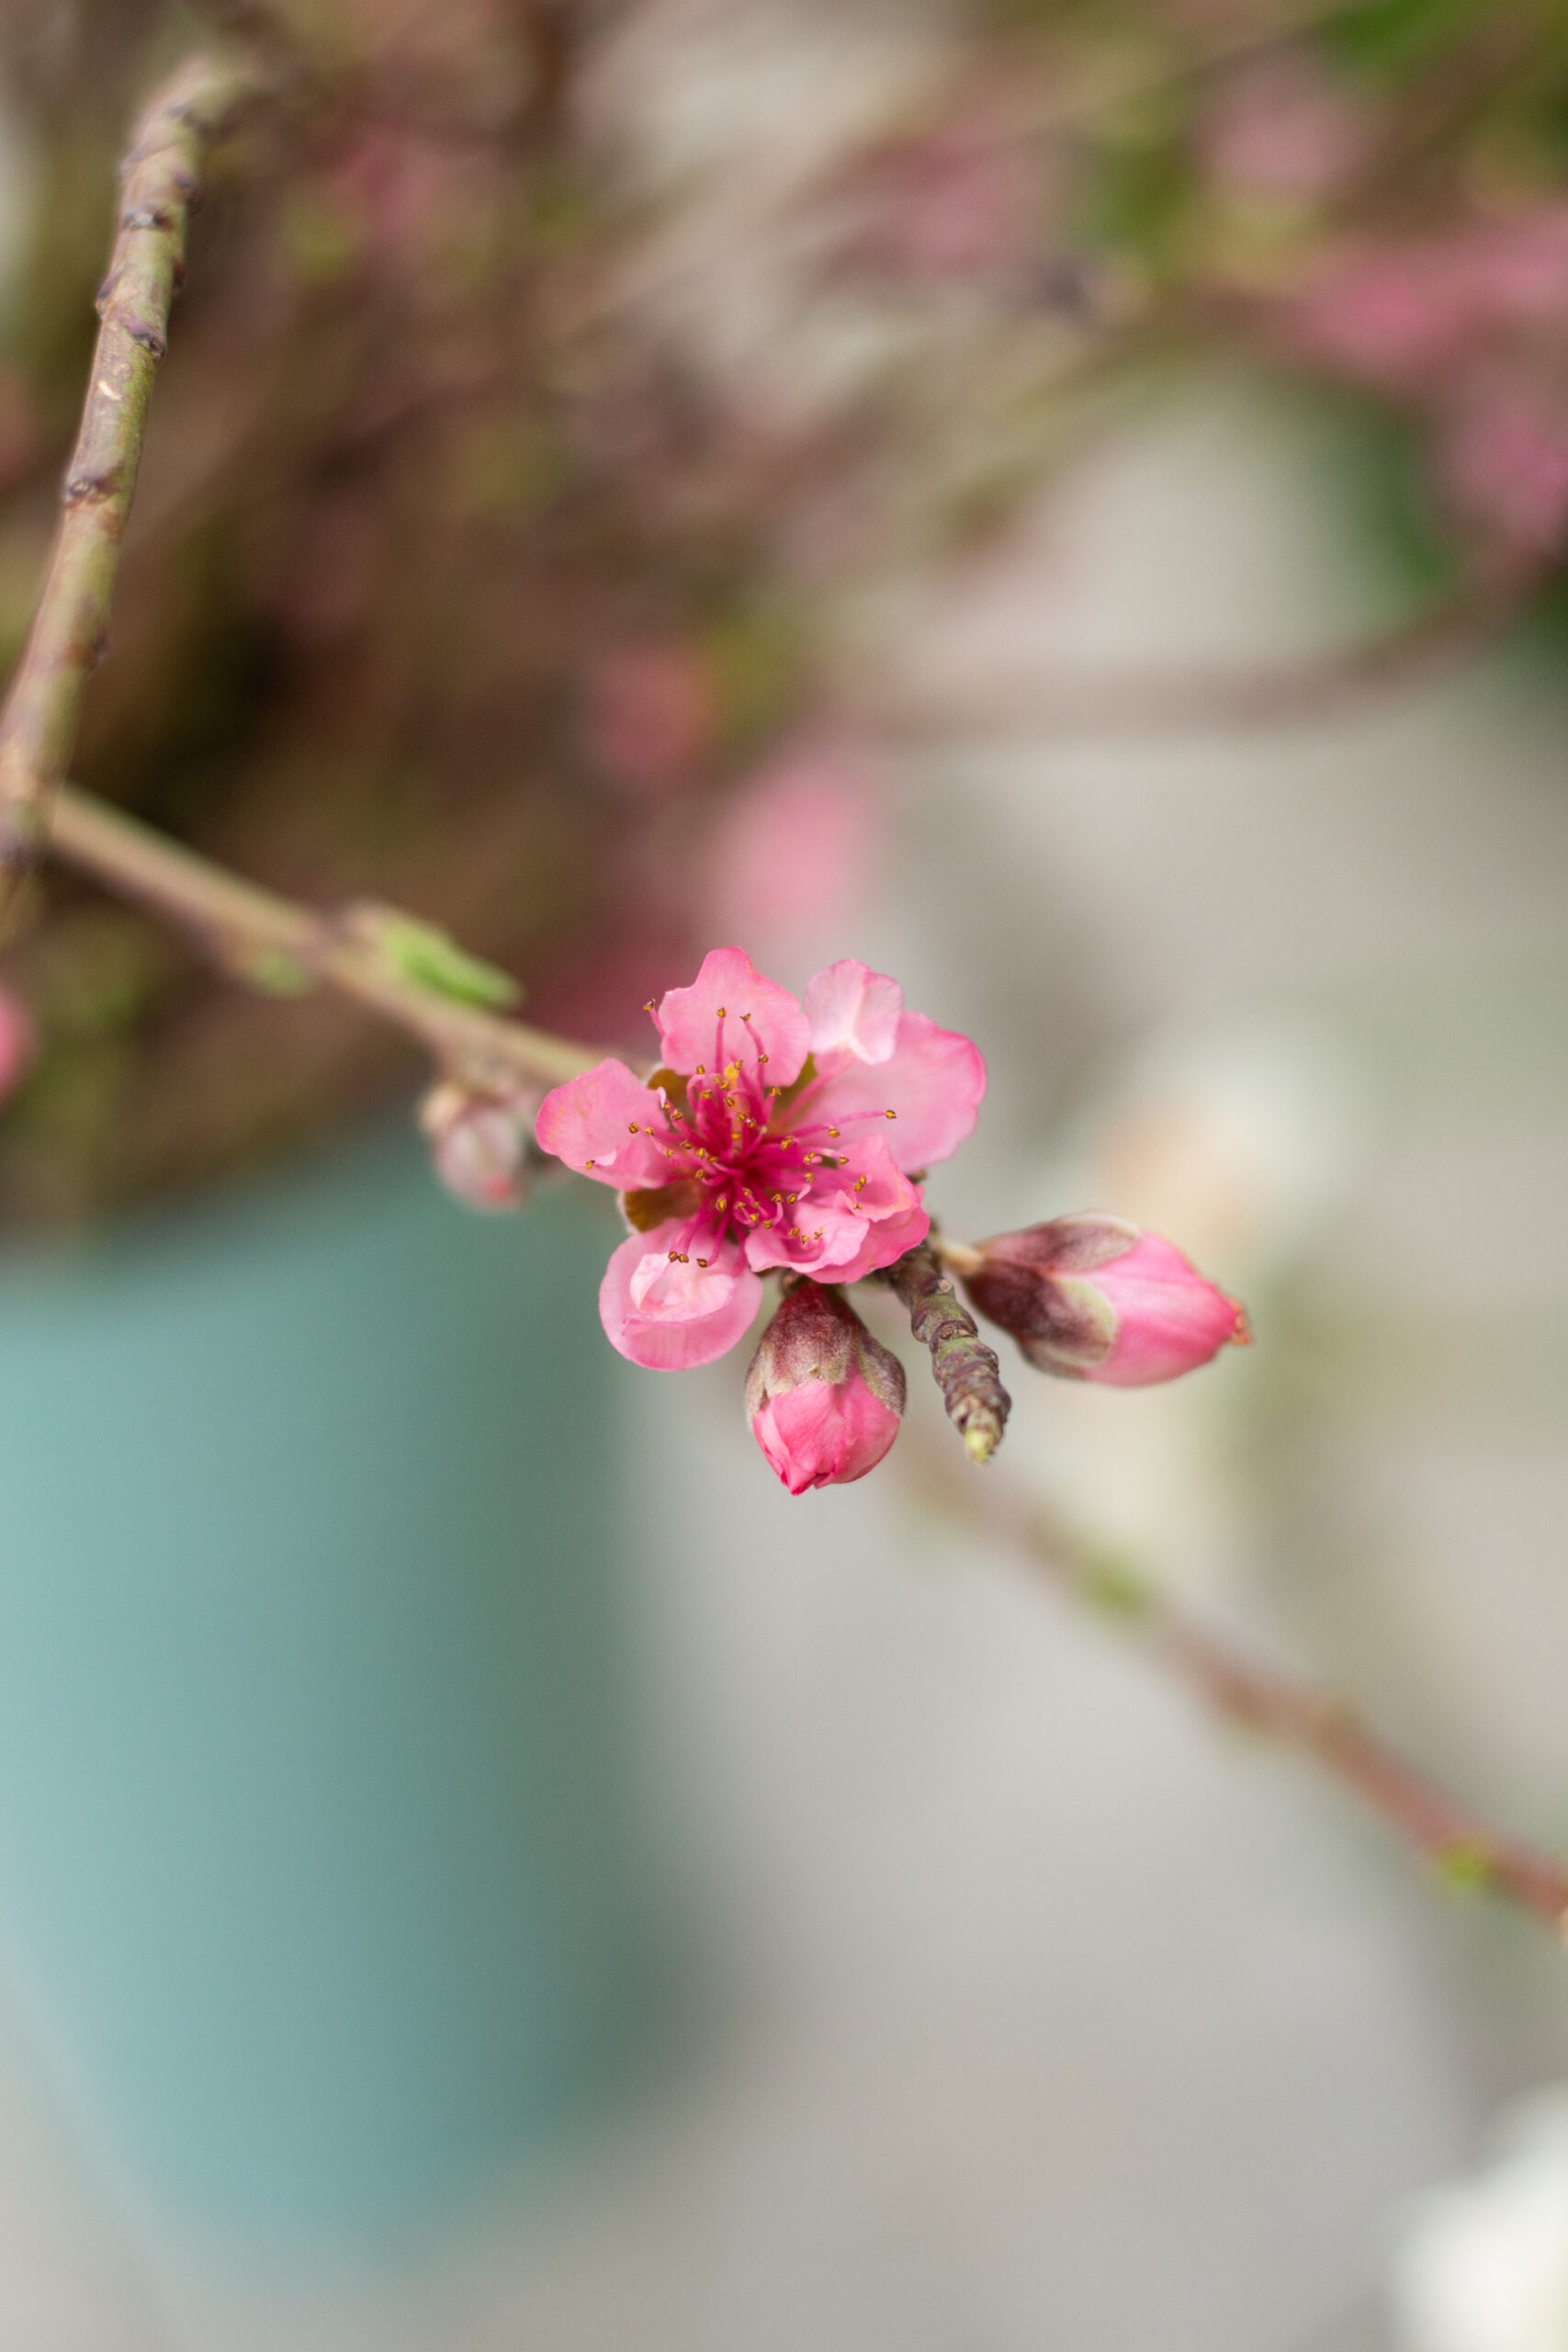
point(1466, 1850)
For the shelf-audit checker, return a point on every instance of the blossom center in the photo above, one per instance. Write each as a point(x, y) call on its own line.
point(752, 1156)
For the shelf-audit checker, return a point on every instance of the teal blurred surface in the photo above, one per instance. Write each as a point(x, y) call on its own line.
point(314, 1826)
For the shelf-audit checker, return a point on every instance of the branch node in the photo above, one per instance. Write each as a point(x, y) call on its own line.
point(88, 489)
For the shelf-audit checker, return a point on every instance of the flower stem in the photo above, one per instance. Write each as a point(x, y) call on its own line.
point(158, 180)
point(279, 945)
point(965, 1368)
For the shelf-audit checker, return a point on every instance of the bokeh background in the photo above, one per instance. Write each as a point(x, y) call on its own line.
point(1066, 506)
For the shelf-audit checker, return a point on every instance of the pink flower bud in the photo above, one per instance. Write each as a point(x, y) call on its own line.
point(479, 1145)
point(1095, 1298)
point(824, 1398)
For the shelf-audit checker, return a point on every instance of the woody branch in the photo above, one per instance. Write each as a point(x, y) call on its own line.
point(1461, 1845)
point(160, 178)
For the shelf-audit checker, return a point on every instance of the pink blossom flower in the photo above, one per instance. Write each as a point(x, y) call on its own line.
point(823, 1398)
point(1502, 457)
point(956, 200)
point(1388, 313)
point(1282, 129)
point(1095, 1298)
point(1522, 266)
point(775, 1133)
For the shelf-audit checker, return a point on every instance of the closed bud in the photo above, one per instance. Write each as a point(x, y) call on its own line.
point(479, 1144)
point(1095, 1298)
point(823, 1398)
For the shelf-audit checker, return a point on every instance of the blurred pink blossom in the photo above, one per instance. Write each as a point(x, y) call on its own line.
point(649, 713)
point(794, 854)
point(18, 1043)
point(479, 1144)
point(1282, 129)
point(399, 186)
point(1388, 315)
point(1521, 266)
point(1397, 311)
point(1501, 459)
point(954, 201)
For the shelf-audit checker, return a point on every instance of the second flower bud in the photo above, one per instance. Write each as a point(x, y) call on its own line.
point(823, 1398)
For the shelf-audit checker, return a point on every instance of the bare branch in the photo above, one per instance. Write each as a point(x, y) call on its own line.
point(159, 181)
point(278, 945)
point(1461, 1845)
point(1302, 690)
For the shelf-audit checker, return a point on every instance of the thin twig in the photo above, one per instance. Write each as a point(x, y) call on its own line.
point(279, 945)
point(1303, 689)
point(158, 180)
point(965, 1368)
point(1461, 1845)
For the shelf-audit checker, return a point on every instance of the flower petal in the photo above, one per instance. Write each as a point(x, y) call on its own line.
point(731, 1013)
point(855, 1218)
point(853, 1009)
point(670, 1316)
point(600, 1123)
point(932, 1083)
point(818, 1435)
